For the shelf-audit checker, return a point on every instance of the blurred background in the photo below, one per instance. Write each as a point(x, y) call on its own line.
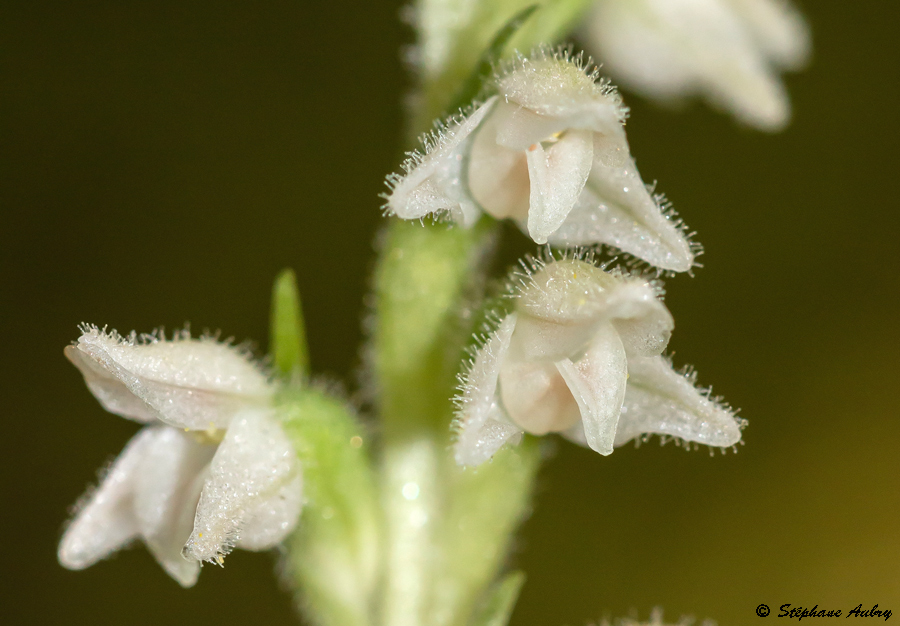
point(160, 162)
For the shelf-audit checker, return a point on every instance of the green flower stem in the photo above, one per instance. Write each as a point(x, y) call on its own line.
point(484, 507)
point(334, 557)
point(447, 530)
point(421, 284)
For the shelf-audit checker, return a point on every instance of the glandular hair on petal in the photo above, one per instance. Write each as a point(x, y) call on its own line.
point(659, 400)
point(433, 181)
point(481, 426)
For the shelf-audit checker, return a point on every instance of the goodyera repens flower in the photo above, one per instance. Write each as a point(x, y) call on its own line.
point(580, 356)
point(731, 51)
point(548, 151)
point(211, 470)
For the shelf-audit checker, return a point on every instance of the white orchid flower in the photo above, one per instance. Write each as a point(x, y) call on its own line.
point(211, 470)
point(730, 51)
point(580, 356)
point(549, 151)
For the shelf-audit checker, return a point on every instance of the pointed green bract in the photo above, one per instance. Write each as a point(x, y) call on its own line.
point(287, 345)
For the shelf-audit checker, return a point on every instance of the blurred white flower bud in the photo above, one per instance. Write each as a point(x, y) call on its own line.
point(730, 51)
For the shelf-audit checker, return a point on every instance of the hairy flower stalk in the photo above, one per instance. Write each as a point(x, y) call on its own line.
point(446, 537)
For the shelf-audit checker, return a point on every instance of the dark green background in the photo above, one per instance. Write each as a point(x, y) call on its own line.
point(162, 161)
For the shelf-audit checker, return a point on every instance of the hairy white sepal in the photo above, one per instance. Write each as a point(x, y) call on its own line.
point(433, 182)
point(151, 493)
point(197, 384)
point(481, 424)
point(662, 401)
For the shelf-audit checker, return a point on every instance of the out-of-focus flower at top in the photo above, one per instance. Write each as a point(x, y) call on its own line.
point(211, 470)
point(580, 356)
point(550, 152)
point(730, 51)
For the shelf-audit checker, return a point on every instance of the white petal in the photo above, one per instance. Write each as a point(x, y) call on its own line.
point(253, 463)
point(482, 428)
point(112, 394)
point(517, 128)
point(597, 382)
point(662, 401)
point(167, 490)
point(642, 321)
point(188, 383)
point(615, 208)
point(498, 174)
point(557, 177)
point(434, 183)
point(270, 522)
point(535, 396)
point(106, 522)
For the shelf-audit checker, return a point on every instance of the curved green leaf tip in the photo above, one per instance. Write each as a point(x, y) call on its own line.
point(474, 85)
point(287, 343)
